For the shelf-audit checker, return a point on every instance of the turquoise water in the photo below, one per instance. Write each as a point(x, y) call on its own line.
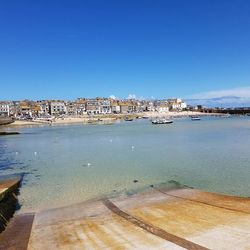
point(63, 165)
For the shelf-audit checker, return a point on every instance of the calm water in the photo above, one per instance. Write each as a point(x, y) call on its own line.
point(69, 164)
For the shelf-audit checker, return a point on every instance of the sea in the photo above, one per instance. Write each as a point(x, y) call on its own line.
point(67, 164)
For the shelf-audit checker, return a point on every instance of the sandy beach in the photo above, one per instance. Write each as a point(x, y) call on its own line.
point(61, 121)
point(107, 118)
point(177, 114)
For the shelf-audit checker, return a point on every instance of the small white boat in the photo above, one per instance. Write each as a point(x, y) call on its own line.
point(226, 115)
point(195, 118)
point(162, 121)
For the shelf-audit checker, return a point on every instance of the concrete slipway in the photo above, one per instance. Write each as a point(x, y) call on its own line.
point(155, 219)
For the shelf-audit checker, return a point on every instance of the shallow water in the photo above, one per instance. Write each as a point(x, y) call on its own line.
point(68, 164)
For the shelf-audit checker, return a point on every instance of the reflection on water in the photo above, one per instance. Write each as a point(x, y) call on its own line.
point(67, 164)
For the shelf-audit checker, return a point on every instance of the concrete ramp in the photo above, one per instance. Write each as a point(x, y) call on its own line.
point(154, 219)
point(205, 219)
point(90, 226)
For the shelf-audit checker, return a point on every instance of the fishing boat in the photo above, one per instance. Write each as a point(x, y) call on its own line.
point(6, 120)
point(162, 121)
point(195, 118)
point(128, 119)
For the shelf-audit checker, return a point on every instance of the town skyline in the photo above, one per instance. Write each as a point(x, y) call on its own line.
point(45, 108)
point(236, 97)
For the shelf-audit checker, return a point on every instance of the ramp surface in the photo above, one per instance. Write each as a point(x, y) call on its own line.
point(154, 219)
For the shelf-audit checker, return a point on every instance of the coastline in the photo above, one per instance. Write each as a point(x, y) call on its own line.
point(107, 119)
point(125, 211)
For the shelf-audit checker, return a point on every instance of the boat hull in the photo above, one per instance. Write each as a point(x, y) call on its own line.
point(195, 118)
point(159, 122)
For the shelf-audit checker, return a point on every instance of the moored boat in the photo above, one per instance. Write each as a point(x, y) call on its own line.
point(195, 118)
point(162, 121)
point(128, 119)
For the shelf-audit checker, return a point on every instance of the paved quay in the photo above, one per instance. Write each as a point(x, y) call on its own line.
point(154, 219)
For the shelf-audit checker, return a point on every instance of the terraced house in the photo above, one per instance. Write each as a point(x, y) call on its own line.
point(127, 106)
point(161, 106)
point(105, 106)
point(176, 104)
point(4, 109)
point(44, 108)
point(115, 107)
point(92, 107)
point(57, 108)
point(98, 106)
point(80, 106)
point(25, 108)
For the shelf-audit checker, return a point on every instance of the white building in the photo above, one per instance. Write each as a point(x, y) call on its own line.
point(177, 104)
point(105, 107)
point(115, 107)
point(4, 109)
point(150, 107)
point(161, 106)
point(183, 105)
point(58, 108)
point(98, 106)
point(162, 109)
point(44, 108)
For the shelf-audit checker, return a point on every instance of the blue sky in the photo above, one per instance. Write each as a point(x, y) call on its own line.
point(148, 48)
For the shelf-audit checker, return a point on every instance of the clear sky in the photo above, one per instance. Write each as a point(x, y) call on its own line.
point(149, 48)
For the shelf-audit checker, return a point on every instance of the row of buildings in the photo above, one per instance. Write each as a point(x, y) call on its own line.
point(82, 106)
